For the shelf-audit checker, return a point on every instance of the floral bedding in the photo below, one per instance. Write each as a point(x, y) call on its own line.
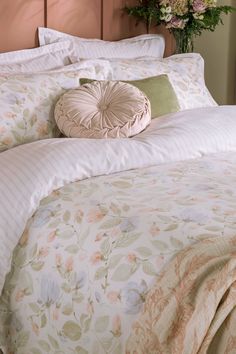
point(89, 252)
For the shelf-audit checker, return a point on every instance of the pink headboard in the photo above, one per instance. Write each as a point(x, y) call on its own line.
point(103, 19)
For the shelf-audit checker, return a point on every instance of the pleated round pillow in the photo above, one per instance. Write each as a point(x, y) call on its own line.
point(105, 109)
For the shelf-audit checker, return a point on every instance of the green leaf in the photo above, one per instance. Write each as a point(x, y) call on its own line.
point(37, 265)
point(114, 260)
point(171, 227)
point(80, 350)
point(144, 251)
point(160, 245)
point(43, 320)
point(100, 273)
point(87, 323)
point(78, 298)
point(105, 247)
point(34, 307)
point(101, 324)
point(72, 330)
point(44, 345)
point(66, 216)
point(66, 287)
point(67, 234)
point(53, 342)
point(67, 309)
point(27, 283)
point(110, 223)
point(72, 249)
point(35, 351)
point(122, 184)
point(176, 243)
point(122, 273)
point(149, 269)
point(22, 339)
point(20, 257)
point(126, 240)
point(33, 251)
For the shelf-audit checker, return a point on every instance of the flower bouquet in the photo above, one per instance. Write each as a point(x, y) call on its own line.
point(184, 18)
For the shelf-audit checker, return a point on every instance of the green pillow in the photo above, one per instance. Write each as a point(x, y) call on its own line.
point(159, 91)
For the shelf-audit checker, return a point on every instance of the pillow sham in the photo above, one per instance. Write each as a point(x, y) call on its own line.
point(185, 72)
point(28, 54)
point(27, 103)
point(159, 91)
point(103, 109)
point(44, 62)
point(152, 45)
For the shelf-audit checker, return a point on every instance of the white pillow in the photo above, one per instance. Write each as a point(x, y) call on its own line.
point(185, 72)
point(43, 58)
point(27, 103)
point(152, 45)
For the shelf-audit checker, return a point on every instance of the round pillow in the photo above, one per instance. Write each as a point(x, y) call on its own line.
point(103, 109)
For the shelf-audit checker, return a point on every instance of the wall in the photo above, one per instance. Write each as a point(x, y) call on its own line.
point(105, 19)
point(219, 51)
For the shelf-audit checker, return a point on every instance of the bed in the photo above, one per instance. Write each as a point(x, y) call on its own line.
point(114, 245)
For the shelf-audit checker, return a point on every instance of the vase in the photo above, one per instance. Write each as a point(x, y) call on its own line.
point(184, 42)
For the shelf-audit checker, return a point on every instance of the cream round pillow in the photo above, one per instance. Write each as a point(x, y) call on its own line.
point(103, 109)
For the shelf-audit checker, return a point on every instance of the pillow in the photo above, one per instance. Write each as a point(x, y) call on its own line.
point(62, 50)
point(103, 109)
point(185, 72)
point(42, 63)
point(27, 103)
point(152, 45)
point(159, 91)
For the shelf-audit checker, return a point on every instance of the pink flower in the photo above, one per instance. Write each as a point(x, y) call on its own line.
point(51, 236)
point(96, 257)
point(95, 215)
point(20, 295)
point(55, 314)
point(58, 260)
point(43, 252)
point(199, 6)
point(116, 326)
point(154, 230)
point(99, 237)
point(131, 257)
point(176, 22)
point(113, 297)
point(35, 328)
point(69, 264)
point(90, 308)
point(79, 216)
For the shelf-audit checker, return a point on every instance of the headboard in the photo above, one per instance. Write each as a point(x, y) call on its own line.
point(103, 19)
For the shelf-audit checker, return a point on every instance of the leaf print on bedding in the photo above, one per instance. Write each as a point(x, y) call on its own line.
point(72, 331)
point(123, 272)
point(101, 324)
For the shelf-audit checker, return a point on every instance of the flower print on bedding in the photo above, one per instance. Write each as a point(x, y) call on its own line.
point(27, 101)
point(91, 252)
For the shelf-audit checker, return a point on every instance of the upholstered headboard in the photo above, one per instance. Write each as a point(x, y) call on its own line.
point(103, 19)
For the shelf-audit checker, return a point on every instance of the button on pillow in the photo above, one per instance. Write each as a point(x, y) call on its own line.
point(104, 109)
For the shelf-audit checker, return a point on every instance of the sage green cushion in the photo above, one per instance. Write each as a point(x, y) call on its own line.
point(159, 91)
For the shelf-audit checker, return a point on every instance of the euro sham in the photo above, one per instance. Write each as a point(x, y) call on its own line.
point(185, 72)
point(152, 45)
point(65, 49)
point(27, 103)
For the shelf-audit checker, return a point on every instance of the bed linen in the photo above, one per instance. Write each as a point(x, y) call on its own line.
point(89, 252)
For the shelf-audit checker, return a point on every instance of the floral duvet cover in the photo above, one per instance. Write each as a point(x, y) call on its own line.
point(87, 256)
